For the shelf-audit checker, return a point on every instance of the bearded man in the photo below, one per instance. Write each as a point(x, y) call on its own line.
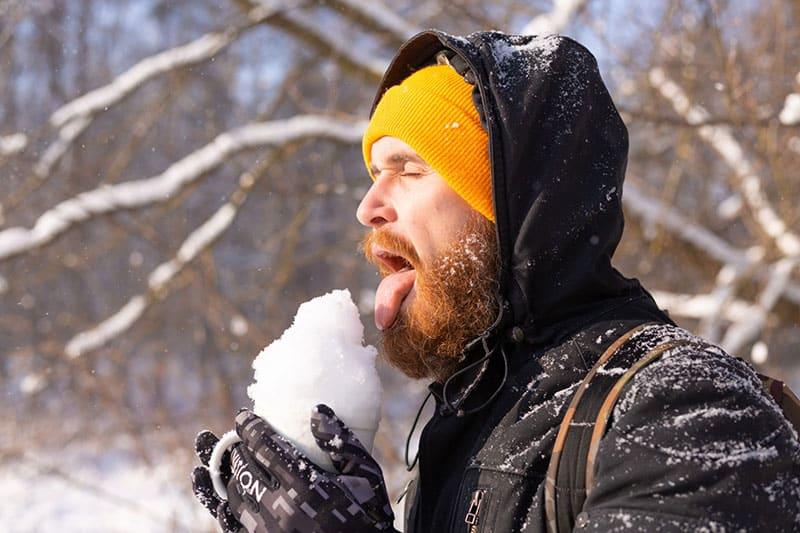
point(497, 164)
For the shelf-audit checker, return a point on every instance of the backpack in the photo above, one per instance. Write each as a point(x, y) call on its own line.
point(570, 476)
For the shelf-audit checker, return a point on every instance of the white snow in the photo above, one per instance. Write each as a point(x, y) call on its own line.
point(92, 489)
point(192, 53)
point(747, 329)
point(654, 211)
point(32, 383)
point(319, 359)
point(556, 20)
point(162, 187)
point(702, 306)
point(790, 115)
point(239, 325)
point(381, 17)
point(722, 140)
point(759, 353)
point(11, 144)
point(128, 314)
point(335, 43)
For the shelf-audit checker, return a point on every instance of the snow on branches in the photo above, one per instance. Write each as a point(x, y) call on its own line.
point(790, 114)
point(11, 144)
point(721, 139)
point(162, 187)
point(71, 119)
point(555, 20)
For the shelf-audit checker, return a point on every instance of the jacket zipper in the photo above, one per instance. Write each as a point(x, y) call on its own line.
point(474, 510)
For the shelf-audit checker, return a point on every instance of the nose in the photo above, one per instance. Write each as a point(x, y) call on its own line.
point(375, 208)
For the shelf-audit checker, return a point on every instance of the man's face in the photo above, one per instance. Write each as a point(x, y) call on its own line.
point(437, 258)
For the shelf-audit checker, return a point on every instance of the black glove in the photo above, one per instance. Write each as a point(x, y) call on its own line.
point(204, 488)
point(274, 487)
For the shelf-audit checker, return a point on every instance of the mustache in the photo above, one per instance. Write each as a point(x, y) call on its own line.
point(395, 244)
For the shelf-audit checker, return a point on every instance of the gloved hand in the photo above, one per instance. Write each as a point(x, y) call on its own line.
point(273, 487)
point(203, 487)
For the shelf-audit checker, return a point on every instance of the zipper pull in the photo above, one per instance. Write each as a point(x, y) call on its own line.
point(474, 508)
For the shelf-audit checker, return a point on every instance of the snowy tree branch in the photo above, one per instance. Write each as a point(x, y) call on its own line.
point(193, 53)
point(377, 15)
point(724, 290)
point(700, 306)
point(163, 186)
point(654, 211)
point(747, 328)
point(790, 114)
point(73, 118)
point(721, 139)
point(339, 46)
point(657, 212)
point(192, 246)
point(56, 150)
point(12, 144)
point(556, 20)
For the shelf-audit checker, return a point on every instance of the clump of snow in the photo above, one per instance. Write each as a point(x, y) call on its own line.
point(759, 353)
point(319, 359)
point(516, 56)
point(239, 326)
point(790, 115)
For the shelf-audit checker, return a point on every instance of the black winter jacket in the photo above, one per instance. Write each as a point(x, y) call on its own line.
point(694, 445)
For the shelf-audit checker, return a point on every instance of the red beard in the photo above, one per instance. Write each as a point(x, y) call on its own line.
point(454, 302)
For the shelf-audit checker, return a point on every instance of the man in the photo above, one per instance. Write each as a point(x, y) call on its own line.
point(497, 164)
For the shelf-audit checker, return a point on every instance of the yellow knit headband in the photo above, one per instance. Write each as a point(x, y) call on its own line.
point(432, 111)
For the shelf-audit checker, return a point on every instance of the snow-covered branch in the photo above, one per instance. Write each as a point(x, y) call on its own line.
point(56, 150)
point(724, 290)
point(73, 118)
point(162, 187)
point(337, 45)
point(747, 329)
point(721, 139)
point(378, 16)
point(556, 20)
point(790, 114)
point(193, 53)
point(12, 144)
point(700, 306)
point(653, 211)
point(130, 313)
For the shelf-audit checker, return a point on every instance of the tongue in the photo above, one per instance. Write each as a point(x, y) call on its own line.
point(390, 295)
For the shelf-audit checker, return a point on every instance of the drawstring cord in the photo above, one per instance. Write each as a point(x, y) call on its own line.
point(455, 405)
point(410, 467)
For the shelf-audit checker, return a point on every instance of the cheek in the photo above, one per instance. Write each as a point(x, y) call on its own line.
point(435, 216)
point(445, 224)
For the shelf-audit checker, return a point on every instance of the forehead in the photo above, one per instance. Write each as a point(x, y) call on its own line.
point(392, 152)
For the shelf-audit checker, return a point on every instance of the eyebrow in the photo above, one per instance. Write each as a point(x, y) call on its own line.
point(398, 158)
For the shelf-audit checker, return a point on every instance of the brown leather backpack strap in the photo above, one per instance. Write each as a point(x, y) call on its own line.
point(604, 415)
point(784, 397)
point(555, 506)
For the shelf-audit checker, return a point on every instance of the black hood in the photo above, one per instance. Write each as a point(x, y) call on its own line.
point(558, 150)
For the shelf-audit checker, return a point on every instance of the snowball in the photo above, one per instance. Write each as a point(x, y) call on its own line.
point(319, 359)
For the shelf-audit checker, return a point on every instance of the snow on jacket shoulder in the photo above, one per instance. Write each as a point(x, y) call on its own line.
point(696, 444)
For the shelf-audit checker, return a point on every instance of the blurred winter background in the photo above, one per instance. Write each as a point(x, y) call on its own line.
point(177, 176)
